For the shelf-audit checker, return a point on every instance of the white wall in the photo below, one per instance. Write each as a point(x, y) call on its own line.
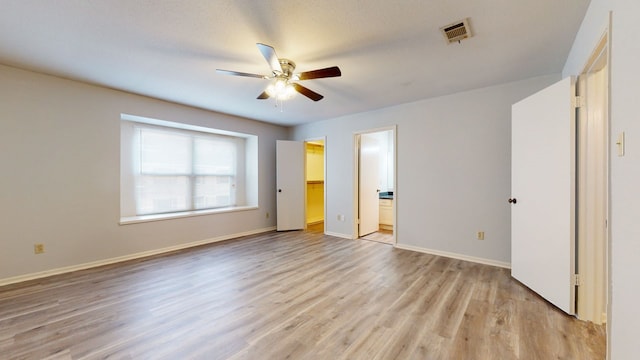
point(624, 315)
point(453, 168)
point(59, 155)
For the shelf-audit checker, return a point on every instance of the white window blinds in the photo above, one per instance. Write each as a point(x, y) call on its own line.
point(180, 170)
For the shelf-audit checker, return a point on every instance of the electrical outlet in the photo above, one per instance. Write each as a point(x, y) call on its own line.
point(340, 217)
point(38, 248)
point(480, 235)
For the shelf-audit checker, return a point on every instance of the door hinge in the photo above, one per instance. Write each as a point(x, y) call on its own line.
point(576, 280)
point(358, 221)
point(577, 101)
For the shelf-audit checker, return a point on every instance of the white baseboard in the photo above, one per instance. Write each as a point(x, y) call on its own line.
point(344, 236)
point(455, 256)
point(66, 269)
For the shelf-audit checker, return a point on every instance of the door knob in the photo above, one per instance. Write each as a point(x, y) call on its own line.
point(513, 201)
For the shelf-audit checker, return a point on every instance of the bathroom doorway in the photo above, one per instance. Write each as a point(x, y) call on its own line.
point(376, 186)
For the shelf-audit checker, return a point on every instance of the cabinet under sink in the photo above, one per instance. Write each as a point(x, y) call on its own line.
point(386, 213)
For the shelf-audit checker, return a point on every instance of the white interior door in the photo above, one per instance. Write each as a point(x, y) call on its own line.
point(290, 185)
point(368, 201)
point(543, 185)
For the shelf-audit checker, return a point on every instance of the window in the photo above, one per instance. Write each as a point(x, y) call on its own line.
point(168, 170)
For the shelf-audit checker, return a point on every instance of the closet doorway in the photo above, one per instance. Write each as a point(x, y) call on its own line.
point(375, 184)
point(315, 185)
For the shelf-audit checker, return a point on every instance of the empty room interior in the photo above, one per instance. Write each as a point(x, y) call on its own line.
point(319, 180)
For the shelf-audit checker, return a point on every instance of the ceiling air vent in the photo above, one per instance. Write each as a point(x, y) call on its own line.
point(456, 31)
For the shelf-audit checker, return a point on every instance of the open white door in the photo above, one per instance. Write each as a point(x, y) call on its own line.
point(290, 185)
point(368, 203)
point(543, 193)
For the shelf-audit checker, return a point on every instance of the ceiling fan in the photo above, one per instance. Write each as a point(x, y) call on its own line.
point(284, 84)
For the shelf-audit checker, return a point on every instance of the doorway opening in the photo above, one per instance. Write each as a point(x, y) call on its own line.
point(315, 185)
point(592, 174)
point(559, 172)
point(375, 186)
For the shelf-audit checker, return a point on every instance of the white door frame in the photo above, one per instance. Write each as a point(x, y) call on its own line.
point(324, 141)
point(356, 185)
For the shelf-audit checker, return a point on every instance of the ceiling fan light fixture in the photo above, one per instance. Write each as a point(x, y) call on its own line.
point(289, 91)
point(281, 89)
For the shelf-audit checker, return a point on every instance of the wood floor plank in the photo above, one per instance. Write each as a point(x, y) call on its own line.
point(297, 295)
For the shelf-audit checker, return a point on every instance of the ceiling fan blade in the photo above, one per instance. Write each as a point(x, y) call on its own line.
point(320, 73)
point(237, 73)
point(269, 54)
point(263, 96)
point(308, 93)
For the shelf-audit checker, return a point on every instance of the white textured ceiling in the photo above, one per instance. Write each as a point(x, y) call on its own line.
point(390, 51)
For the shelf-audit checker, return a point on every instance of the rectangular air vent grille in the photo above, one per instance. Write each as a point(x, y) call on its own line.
point(456, 31)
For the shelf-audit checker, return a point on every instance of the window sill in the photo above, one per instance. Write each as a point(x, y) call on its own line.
point(177, 215)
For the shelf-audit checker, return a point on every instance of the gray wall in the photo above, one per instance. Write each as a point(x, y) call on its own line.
point(60, 161)
point(624, 252)
point(453, 169)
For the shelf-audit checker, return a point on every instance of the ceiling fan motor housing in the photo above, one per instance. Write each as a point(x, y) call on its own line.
point(287, 68)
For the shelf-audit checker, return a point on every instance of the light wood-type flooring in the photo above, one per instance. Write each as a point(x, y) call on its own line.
point(381, 236)
point(291, 295)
